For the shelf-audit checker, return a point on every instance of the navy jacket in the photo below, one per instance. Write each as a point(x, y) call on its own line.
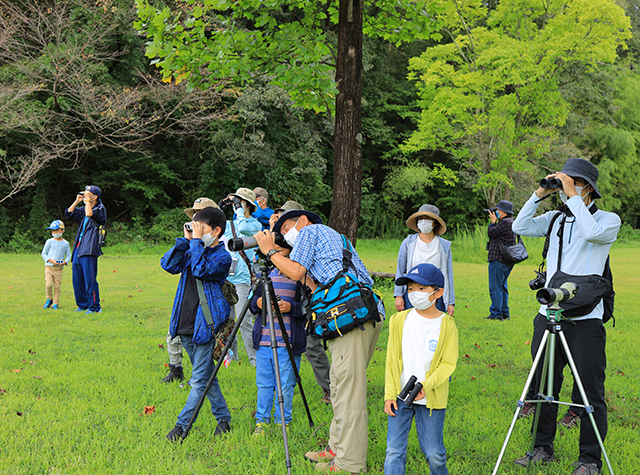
point(87, 236)
point(211, 266)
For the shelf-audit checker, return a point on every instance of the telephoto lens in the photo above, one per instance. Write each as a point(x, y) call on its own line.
point(550, 183)
point(238, 244)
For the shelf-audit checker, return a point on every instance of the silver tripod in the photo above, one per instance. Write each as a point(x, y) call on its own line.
point(554, 328)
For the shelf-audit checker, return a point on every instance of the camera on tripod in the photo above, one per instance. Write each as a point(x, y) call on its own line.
point(249, 242)
point(549, 296)
point(410, 391)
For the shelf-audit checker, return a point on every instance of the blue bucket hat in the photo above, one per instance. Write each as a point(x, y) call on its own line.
point(55, 225)
point(425, 274)
point(94, 189)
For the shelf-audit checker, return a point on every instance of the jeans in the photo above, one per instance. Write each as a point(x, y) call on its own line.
point(202, 362)
point(266, 383)
point(498, 290)
point(85, 284)
point(430, 430)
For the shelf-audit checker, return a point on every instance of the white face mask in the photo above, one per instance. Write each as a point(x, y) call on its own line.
point(420, 300)
point(56, 235)
point(425, 226)
point(563, 196)
point(208, 239)
point(292, 234)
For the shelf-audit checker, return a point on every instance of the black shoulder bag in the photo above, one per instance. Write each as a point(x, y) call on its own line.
point(513, 254)
point(591, 287)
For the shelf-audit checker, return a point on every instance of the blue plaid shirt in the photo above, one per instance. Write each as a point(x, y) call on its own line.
point(318, 248)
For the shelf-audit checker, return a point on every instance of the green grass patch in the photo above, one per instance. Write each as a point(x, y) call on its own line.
point(75, 405)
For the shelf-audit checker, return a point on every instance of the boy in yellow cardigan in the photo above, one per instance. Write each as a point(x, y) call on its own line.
point(423, 342)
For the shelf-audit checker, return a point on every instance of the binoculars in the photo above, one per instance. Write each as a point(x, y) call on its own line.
point(410, 391)
point(550, 183)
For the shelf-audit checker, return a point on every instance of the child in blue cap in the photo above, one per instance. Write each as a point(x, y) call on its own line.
point(56, 254)
point(423, 342)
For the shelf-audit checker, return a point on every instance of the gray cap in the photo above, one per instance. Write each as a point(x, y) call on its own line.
point(581, 168)
point(261, 192)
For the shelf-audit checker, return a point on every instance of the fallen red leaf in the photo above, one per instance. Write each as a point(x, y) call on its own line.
point(19, 414)
point(620, 373)
point(31, 352)
point(11, 330)
point(16, 370)
point(527, 342)
point(2, 390)
point(473, 378)
point(114, 272)
point(162, 346)
point(478, 346)
point(10, 287)
point(149, 409)
point(466, 355)
point(37, 377)
point(167, 364)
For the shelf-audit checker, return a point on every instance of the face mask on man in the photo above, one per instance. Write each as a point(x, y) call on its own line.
point(57, 235)
point(579, 189)
point(425, 226)
point(420, 300)
point(292, 234)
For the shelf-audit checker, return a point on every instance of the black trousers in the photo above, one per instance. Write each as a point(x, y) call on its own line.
point(587, 342)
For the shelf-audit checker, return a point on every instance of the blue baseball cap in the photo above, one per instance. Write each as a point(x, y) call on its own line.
point(94, 189)
point(425, 274)
point(55, 225)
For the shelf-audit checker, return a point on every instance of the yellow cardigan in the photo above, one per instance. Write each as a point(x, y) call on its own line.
point(436, 380)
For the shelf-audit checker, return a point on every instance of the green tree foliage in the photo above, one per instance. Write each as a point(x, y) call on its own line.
point(491, 97)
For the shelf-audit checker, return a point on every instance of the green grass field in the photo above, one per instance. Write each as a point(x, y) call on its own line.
point(73, 387)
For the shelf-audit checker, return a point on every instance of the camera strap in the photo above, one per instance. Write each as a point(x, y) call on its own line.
point(204, 304)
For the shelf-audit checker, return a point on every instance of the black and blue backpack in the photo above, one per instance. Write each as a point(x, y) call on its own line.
point(342, 304)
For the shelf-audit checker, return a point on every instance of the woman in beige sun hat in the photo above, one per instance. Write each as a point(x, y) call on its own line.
point(426, 247)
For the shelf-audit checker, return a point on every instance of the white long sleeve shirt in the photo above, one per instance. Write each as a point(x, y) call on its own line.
point(587, 240)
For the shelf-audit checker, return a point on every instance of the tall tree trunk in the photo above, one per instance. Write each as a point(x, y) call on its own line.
point(347, 151)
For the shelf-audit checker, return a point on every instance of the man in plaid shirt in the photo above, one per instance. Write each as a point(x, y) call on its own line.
point(317, 250)
point(499, 230)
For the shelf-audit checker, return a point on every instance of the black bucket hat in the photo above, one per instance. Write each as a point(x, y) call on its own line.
point(581, 168)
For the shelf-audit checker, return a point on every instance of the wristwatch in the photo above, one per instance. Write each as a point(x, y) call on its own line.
point(271, 253)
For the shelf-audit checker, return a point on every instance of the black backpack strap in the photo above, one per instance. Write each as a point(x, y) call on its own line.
point(346, 254)
point(204, 304)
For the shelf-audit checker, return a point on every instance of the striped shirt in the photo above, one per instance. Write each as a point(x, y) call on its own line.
point(284, 288)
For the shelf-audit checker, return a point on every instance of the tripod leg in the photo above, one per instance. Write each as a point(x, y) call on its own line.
point(285, 337)
point(585, 400)
point(532, 372)
point(196, 411)
point(267, 293)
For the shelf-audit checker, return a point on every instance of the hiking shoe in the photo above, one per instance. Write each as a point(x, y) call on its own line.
point(585, 469)
point(329, 467)
point(260, 429)
point(505, 317)
point(54, 306)
point(529, 409)
point(174, 373)
point(48, 303)
point(81, 309)
point(175, 433)
point(538, 456)
point(223, 428)
point(326, 396)
point(327, 455)
point(491, 317)
point(570, 420)
point(93, 311)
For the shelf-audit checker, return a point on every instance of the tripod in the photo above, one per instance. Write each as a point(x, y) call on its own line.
point(554, 329)
point(269, 299)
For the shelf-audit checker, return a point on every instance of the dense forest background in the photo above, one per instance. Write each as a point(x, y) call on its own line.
point(81, 103)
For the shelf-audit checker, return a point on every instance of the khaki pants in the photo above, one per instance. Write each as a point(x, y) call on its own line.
point(174, 348)
point(350, 356)
point(53, 282)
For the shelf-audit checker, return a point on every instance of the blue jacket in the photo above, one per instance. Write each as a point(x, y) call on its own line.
point(263, 215)
point(87, 236)
point(211, 266)
point(283, 287)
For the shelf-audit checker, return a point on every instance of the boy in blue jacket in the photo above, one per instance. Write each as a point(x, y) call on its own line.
point(288, 292)
point(199, 256)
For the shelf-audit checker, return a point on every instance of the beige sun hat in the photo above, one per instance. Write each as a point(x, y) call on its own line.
point(288, 206)
point(199, 204)
point(427, 211)
point(247, 195)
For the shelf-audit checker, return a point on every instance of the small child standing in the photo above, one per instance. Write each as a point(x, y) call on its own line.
point(288, 293)
point(423, 342)
point(56, 254)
